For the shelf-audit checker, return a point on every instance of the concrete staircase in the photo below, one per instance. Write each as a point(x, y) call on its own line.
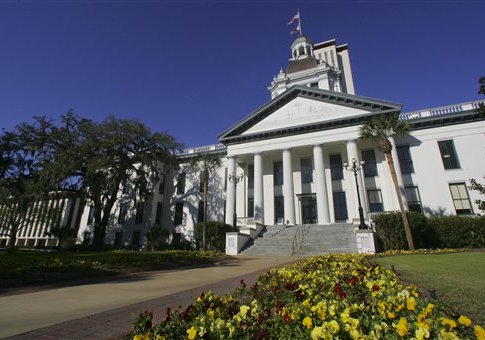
point(317, 239)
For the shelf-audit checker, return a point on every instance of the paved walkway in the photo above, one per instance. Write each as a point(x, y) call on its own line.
point(107, 310)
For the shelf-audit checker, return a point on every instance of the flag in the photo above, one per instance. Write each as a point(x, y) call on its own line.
point(296, 30)
point(295, 17)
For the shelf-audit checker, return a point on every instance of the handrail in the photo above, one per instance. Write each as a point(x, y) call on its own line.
point(299, 237)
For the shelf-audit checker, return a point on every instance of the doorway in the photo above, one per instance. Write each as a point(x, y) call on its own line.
point(308, 209)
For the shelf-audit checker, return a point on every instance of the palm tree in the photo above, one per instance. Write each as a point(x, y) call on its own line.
point(207, 164)
point(378, 129)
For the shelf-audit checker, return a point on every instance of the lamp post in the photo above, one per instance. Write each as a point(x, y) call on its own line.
point(234, 178)
point(355, 168)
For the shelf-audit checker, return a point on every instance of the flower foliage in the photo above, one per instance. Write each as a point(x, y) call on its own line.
point(325, 297)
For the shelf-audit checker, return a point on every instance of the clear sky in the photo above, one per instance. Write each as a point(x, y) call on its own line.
point(194, 68)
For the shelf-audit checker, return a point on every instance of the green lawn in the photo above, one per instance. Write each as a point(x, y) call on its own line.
point(33, 268)
point(459, 278)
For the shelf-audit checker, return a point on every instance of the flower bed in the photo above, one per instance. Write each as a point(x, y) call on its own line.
point(418, 251)
point(325, 297)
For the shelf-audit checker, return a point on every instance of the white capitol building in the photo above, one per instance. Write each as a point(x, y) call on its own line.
point(288, 158)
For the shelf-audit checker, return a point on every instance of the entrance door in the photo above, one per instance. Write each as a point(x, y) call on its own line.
point(309, 210)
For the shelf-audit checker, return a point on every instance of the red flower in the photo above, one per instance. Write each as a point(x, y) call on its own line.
point(287, 318)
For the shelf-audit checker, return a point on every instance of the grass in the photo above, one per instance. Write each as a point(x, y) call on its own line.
point(20, 269)
point(458, 279)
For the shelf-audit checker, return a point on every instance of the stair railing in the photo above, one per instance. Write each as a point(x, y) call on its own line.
point(299, 237)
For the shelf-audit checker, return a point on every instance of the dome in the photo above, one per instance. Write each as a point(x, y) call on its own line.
point(302, 39)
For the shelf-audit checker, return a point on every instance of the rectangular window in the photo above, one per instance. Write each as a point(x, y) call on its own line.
point(179, 213)
point(200, 214)
point(158, 216)
point(279, 210)
point(250, 207)
point(336, 167)
point(405, 160)
point(118, 238)
point(92, 211)
point(340, 206)
point(459, 194)
point(201, 182)
point(278, 173)
point(448, 154)
point(181, 183)
point(126, 187)
point(122, 214)
point(413, 198)
point(375, 200)
point(140, 209)
point(161, 186)
point(136, 239)
point(370, 167)
point(306, 170)
point(225, 178)
point(86, 237)
point(250, 176)
point(224, 216)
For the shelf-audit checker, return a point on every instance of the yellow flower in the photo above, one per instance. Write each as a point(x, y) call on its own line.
point(138, 337)
point(317, 333)
point(451, 323)
point(411, 303)
point(160, 337)
point(402, 327)
point(464, 321)
point(191, 333)
point(333, 327)
point(210, 314)
point(307, 322)
point(479, 332)
point(421, 333)
point(243, 310)
point(391, 315)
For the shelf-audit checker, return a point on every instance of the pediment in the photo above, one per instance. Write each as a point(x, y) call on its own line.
point(302, 109)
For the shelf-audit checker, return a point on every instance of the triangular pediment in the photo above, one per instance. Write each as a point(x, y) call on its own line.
point(304, 109)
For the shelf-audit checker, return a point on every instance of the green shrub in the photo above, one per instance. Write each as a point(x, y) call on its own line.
point(434, 232)
point(216, 235)
point(459, 231)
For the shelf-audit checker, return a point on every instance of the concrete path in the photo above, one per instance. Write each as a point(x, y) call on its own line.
point(22, 313)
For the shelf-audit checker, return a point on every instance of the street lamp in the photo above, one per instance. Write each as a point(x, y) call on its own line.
point(235, 178)
point(355, 168)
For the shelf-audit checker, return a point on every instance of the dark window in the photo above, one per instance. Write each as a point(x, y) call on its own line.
point(278, 173)
point(279, 210)
point(122, 214)
point(448, 154)
point(413, 198)
point(370, 168)
point(86, 237)
point(136, 239)
point(158, 216)
point(375, 200)
point(92, 211)
point(250, 176)
point(200, 214)
point(336, 168)
point(250, 207)
point(181, 183)
point(179, 213)
point(161, 186)
point(314, 85)
point(140, 209)
point(118, 237)
point(459, 194)
point(225, 202)
point(306, 170)
point(340, 206)
point(225, 178)
point(126, 187)
point(405, 160)
point(201, 182)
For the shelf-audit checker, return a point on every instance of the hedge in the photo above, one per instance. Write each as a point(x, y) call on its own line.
point(432, 232)
point(216, 235)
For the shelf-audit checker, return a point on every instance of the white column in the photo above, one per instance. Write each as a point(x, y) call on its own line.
point(352, 153)
point(288, 192)
point(397, 167)
point(231, 191)
point(321, 186)
point(258, 188)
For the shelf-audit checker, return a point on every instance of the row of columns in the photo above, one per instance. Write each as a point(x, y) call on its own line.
point(323, 211)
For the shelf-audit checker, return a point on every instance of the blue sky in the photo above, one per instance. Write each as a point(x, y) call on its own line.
point(194, 68)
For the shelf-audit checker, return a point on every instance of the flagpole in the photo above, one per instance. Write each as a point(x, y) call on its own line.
point(299, 22)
